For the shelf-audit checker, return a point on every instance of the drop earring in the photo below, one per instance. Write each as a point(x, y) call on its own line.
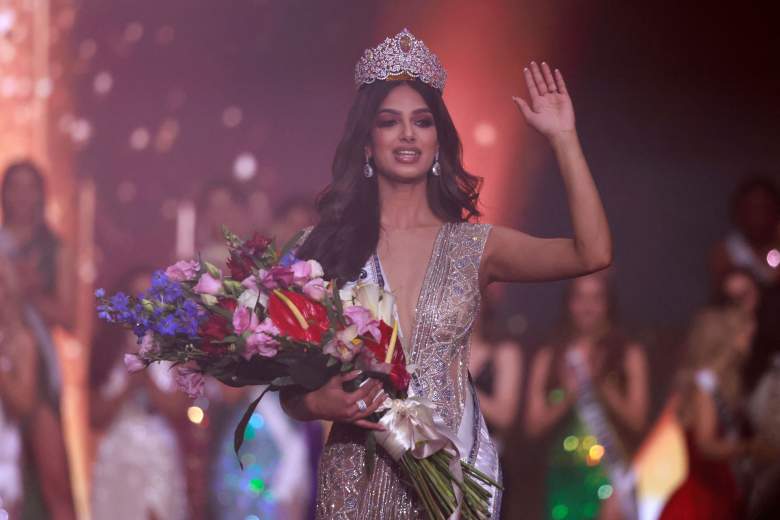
point(436, 168)
point(368, 170)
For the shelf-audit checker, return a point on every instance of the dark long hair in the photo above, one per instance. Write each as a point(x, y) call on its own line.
point(348, 229)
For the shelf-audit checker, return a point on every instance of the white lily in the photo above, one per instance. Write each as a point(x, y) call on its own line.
point(251, 297)
point(386, 309)
point(368, 295)
point(347, 294)
point(316, 269)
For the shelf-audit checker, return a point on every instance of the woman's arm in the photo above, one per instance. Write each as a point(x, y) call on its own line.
point(501, 408)
point(18, 375)
point(630, 406)
point(513, 256)
point(540, 415)
point(705, 430)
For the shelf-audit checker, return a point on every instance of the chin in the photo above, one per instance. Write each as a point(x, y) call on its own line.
point(405, 175)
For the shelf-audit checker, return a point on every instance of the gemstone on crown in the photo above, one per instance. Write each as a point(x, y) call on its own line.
point(400, 57)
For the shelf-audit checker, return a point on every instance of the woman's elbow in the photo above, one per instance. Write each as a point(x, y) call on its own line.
point(598, 260)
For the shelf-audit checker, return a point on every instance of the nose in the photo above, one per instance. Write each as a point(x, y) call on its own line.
point(407, 134)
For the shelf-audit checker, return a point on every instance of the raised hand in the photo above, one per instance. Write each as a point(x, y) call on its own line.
point(550, 110)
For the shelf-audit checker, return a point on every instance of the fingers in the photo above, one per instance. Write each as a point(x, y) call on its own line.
point(524, 107)
point(366, 390)
point(349, 376)
point(531, 84)
point(536, 73)
point(548, 78)
point(561, 83)
point(372, 407)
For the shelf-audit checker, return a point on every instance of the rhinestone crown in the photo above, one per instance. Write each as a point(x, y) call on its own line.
point(400, 57)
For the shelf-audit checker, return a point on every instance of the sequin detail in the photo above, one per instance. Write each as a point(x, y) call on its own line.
point(446, 310)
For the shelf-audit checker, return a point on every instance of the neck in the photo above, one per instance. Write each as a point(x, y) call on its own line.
point(404, 205)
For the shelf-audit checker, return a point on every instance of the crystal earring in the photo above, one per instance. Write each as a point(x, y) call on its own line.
point(436, 168)
point(368, 170)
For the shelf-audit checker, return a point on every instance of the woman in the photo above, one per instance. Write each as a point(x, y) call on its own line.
point(138, 472)
point(42, 268)
point(397, 213)
point(710, 410)
point(578, 483)
point(17, 391)
point(495, 365)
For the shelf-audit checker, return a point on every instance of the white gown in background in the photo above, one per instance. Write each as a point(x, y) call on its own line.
point(138, 467)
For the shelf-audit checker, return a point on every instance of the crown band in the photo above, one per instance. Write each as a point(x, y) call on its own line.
point(401, 57)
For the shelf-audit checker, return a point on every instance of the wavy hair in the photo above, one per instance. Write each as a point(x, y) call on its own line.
point(348, 229)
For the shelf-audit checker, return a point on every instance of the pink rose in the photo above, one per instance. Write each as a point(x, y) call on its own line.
point(208, 285)
point(315, 289)
point(262, 341)
point(244, 319)
point(277, 277)
point(148, 346)
point(133, 363)
point(183, 270)
point(250, 282)
point(364, 321)
point(189, 381)
point(301, 272)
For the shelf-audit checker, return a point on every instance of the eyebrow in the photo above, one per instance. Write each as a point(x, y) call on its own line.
point(398, 113)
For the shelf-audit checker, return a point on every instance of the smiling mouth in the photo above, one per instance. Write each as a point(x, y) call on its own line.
point(407, 155)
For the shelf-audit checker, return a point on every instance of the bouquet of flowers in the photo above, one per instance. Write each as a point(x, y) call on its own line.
point(274, 320)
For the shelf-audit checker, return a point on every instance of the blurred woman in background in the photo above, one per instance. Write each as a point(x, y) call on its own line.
point(496, 366)
point(139, 472)
point(610, 368)
point(18, 380)
point(42, 271)
point(711, 410)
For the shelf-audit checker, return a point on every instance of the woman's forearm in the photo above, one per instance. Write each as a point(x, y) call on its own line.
point(592, 237)
point(297, 404)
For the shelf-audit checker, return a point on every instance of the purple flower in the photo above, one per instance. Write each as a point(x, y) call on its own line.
point(190, 381)
point(207, 284)
point(364, 321)
point(315, 289)
point(262, 341)
point(244, 319)
point(133, 363)
point(183, 270)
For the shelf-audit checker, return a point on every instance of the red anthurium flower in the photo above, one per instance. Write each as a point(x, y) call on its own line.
point(313, 312)
point(398, 374)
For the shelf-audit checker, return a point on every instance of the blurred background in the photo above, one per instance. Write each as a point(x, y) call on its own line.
point(130, 131)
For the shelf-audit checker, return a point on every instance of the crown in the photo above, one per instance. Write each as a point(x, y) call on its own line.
point(400, 57)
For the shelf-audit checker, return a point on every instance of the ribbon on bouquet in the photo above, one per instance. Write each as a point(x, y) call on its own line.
point(412, 425)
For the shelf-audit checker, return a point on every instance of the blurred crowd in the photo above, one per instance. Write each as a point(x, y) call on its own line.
point(580, 401)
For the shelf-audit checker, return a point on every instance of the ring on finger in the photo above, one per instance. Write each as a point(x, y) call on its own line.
point(361, 404)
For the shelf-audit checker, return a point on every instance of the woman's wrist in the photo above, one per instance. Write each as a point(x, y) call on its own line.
point(564, 139)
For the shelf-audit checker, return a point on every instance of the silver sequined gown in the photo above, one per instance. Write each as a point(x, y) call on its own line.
point(446, 310)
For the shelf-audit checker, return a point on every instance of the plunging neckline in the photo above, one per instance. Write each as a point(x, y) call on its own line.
point(407, 340)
